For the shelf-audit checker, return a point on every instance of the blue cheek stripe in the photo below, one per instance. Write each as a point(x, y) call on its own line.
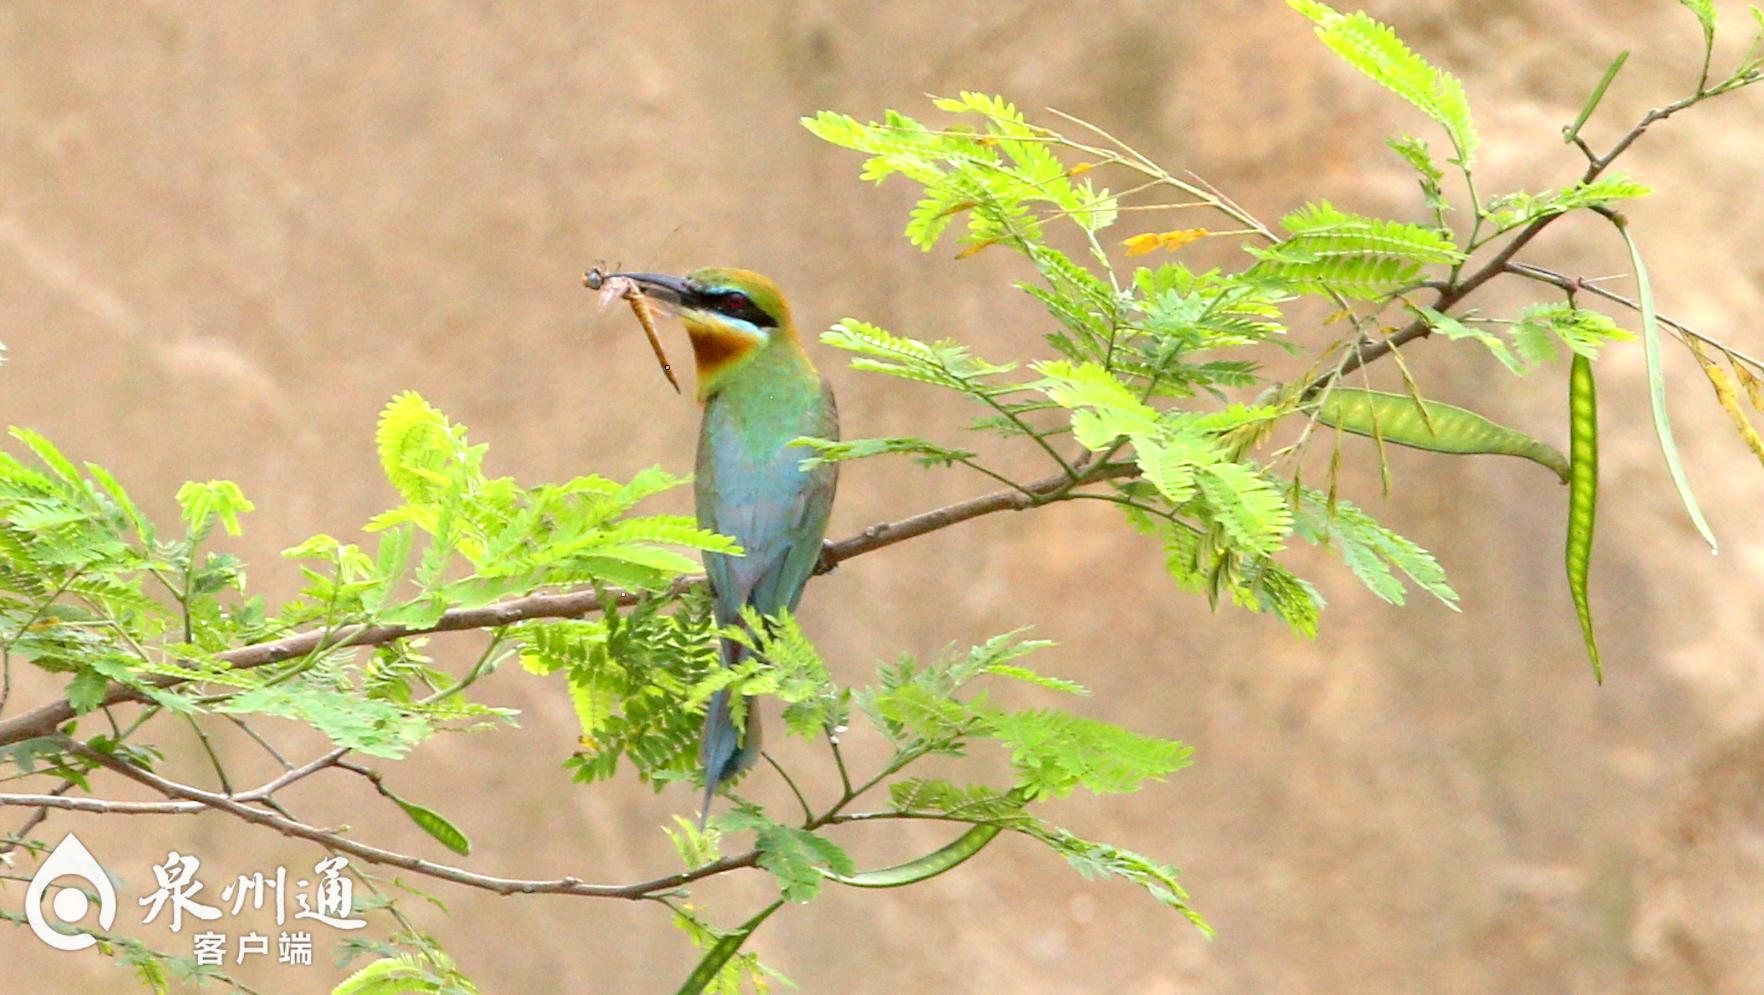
point(739, 326)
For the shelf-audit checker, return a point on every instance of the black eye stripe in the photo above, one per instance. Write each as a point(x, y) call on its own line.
point(736, 304)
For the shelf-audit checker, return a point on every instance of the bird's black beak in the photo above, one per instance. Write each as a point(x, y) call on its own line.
point(670, 291)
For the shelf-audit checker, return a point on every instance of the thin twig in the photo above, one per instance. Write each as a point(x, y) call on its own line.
point(245, 727)
point(1587, 285)
point(839, 762)
point(808, 813)
point(297, 774)
point(220, 772)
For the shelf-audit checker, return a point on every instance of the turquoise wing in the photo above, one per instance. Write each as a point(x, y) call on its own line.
point(751, 487)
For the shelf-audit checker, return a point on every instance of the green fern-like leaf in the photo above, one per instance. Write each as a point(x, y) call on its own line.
point(1326, 231)
point(1375, 50)
point(1054, 752)
point(943, 202)
point(379, 728)
point(214, 500)
point(1171, 462)
point(1416, 153)
point(414, 441)
point(1330, 250)
point(1097, 860)
point(945, 364)
point(923, 451)
point(1371, 550)
point(1105, 408)
point(1517, 209)
point(1251, 508)
point(1357, 276)
point(1582, 331)
point(794, 856)
point(1452, 328)
point(976, 803)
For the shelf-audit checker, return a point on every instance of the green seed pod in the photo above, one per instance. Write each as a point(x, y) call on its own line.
point(1583, 495)
point(1431, 425)
point(928, 866)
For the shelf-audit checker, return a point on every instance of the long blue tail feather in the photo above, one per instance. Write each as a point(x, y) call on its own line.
point(723, 751)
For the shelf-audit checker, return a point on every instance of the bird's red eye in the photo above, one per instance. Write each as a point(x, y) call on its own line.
point(735, 300)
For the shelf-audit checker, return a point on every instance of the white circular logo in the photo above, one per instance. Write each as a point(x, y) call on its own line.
point(70, 858)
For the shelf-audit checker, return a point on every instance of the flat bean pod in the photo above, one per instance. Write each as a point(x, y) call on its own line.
point(1583, 495)
point(1444, 428)
point(928, 866)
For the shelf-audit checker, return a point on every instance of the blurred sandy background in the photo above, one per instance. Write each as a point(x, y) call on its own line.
point(230, 232)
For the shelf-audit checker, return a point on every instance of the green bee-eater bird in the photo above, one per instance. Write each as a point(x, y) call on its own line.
point(759, 391)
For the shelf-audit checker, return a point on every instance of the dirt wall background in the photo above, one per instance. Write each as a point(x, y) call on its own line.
point(230, 232)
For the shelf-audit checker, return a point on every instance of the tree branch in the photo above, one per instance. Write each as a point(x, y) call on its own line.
point(43, 721)
point(261, 793)
point(377, 855)
point(103, 806)
point(1449, 296)
point(184, 799)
